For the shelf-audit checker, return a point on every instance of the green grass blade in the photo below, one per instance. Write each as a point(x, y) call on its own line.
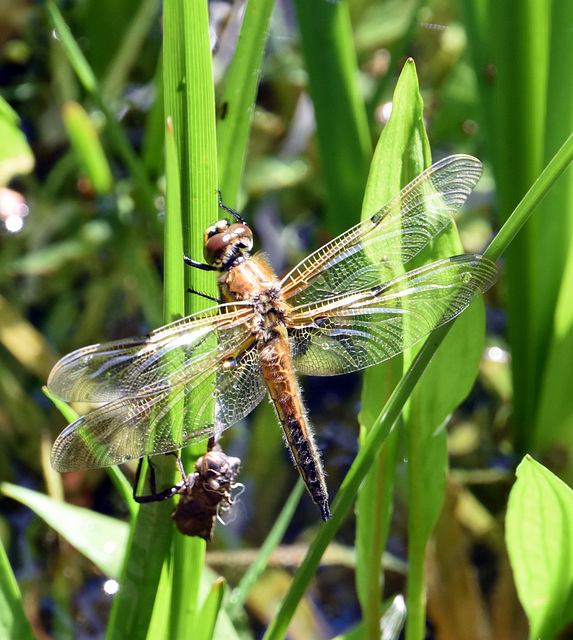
point(13, 621)
point(73, 51)
point(187, 58)
point(555, 416)
point(515, 103)
point(239, 97)
point(554, 277)
point(133, 605)
point(130, 49)
point(200, 179)
point(115, 132)
point(273, 539)
point(345, 149)
point(191, 154)
point(159, 625)
point(87, 146)
point(346, 495)
point(538, 190)
point(207, 618)
point(552, 248)
point(174, 287)
point(413, 155)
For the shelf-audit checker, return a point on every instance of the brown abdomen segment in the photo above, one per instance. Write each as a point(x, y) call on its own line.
point(280, 378)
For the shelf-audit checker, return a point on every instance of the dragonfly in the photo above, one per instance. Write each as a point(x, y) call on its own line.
point(349, 305)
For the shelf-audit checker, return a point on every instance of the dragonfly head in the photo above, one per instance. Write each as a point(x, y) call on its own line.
point(225, 242)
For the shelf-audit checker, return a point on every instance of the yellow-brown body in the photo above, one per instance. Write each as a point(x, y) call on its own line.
point(252, 279)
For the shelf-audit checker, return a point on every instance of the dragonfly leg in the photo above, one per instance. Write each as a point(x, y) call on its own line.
point(198, 265)
point(204, 295)
point(154, 496)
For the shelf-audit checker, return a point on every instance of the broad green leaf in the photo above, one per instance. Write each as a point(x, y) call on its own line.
point(405, 152)
point(444, 385)
point(13, 621)
point(539, 526)
point(399, 157)
point(100, 538)
point(367, 454)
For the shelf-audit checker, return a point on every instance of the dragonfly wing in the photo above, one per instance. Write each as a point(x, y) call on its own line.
point(375, 249)
point(146, 425)
point(142, 366)
point(360, 329)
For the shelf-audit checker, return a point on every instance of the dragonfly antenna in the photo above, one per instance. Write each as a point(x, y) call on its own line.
point(229, 210)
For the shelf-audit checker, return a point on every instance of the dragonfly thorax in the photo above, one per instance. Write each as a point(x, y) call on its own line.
point(225, 243)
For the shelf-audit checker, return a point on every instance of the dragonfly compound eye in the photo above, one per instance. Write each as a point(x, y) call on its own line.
point(242, 236)
point(220, 237)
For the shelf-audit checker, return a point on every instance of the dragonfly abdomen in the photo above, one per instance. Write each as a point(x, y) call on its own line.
point(285, 393)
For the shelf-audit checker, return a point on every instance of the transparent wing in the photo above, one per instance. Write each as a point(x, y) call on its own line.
point(192, 410)
point(174, 354)
point(374, 250)
point(352, 331)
